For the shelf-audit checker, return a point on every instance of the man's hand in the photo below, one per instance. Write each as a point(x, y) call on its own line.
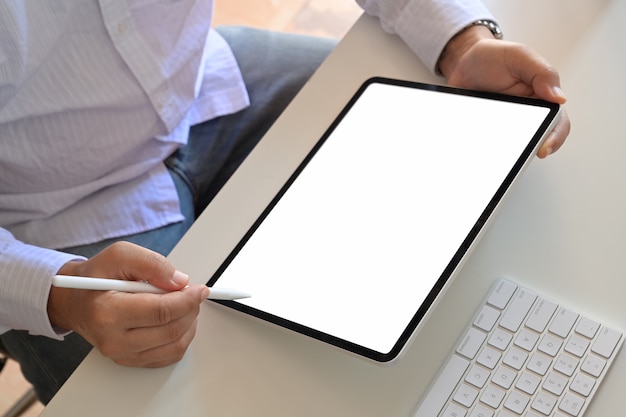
point(148, 330)
point(474, 59)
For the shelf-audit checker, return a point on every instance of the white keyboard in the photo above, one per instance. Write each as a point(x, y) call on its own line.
point(522, 355)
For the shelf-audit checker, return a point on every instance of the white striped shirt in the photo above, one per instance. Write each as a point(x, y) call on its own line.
point(95, 94)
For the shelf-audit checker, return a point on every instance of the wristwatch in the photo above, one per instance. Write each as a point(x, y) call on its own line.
point(491, 25)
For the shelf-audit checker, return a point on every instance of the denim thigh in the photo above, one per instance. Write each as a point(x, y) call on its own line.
point(274, 66)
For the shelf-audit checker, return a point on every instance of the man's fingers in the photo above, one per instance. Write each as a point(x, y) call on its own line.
point(159, 355)
point(557, 137)
point(547, 86)
point(152, 330)
point(150, 310)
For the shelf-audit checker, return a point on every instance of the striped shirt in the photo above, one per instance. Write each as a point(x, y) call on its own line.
point(95, 94)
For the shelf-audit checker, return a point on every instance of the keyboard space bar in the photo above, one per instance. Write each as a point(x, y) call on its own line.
point(443, 387)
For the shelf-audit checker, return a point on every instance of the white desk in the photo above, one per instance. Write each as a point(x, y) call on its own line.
point(562, 231)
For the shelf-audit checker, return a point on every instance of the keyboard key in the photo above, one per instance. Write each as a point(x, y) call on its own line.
point(500, 339)
point(582, 384)
point(517, 402)
point(577, 346)
point(489, 357)
point(563, 322)
point(471, 343)
point(504, 377)
point(555, 383)
point(550, 345)
point(544, 403)
point(587, 327)
point(593, 365)
point(454, 410)
point(492, 396)
point(541, 315)
point(515, 358)
point(477, 376)
point(526, 340)
point(571, 404)
point(528, 382)
point(539, 363)
point(487, 318)
point(606, 342)
point(501, 294)
point(465, 395)
point(566, 364)
point(518, 310)
point(481, 411)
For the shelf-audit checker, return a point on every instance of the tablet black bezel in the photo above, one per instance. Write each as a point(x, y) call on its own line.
point(456, 259)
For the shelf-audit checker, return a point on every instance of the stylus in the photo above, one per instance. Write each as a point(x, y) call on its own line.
point(104, 284)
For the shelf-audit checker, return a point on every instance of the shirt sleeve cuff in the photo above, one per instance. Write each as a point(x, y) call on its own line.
point(427, 25)
point(445, 20)
point(25, 279)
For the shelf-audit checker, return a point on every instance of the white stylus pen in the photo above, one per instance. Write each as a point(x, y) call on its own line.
point(104, 284)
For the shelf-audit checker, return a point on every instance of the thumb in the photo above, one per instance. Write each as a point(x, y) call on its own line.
point(124, 260)
point(145, 265)
point(547, 86)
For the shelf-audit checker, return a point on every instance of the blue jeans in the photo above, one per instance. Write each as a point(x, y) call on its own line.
point(274, 66)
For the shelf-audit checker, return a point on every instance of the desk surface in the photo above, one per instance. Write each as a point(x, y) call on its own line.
point(561, 231)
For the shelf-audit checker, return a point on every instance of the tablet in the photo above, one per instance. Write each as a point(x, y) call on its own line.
point(364, 237)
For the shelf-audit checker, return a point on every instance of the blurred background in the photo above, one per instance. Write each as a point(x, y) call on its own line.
point(317, 17)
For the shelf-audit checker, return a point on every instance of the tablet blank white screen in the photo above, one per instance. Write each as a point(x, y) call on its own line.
point(361, 236)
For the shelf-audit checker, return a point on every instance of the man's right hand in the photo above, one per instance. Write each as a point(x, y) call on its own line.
point(133, 329)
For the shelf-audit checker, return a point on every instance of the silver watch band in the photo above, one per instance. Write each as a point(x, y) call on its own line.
point(491, 25)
